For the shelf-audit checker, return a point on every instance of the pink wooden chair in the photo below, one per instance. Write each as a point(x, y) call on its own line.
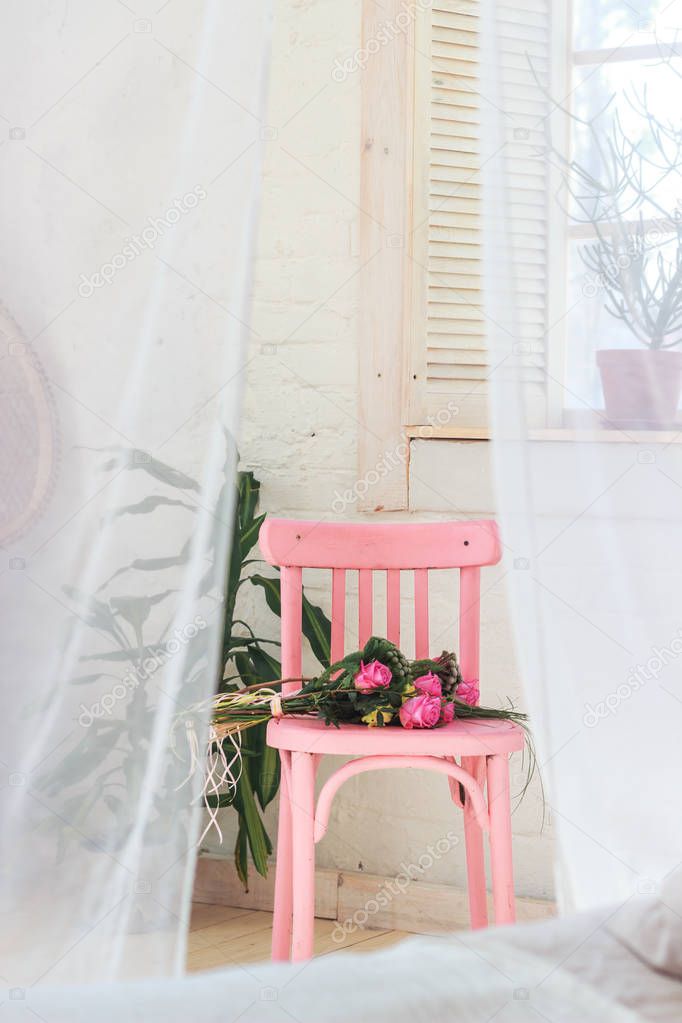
point(483, 747)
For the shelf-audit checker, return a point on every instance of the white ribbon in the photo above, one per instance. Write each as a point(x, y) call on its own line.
point(218, 774)
point(221, 770)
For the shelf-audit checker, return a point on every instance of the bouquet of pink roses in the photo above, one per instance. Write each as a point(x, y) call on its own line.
point(376, 686)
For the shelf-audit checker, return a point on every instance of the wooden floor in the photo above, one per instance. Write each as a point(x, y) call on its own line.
point(221, 936)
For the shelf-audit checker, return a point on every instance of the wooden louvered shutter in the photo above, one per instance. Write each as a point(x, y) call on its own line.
point(447, 359)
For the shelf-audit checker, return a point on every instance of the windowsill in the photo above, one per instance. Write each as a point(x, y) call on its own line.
point(447, 432)
point(566, 434)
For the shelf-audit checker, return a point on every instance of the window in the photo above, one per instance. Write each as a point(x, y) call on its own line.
point(424, 363)
point(622, 59)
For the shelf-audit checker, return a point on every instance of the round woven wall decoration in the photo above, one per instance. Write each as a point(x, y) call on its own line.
point(29, 444)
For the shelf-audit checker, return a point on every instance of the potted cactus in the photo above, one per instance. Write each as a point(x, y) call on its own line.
point(622, 190)
point(643, 289)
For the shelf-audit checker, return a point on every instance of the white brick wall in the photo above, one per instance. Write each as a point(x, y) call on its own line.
point(300, 423)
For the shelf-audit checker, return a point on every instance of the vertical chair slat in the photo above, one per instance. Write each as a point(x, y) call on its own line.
point(364, 605)
point(469, 621)
point(393, 605)
point(291, 588)
point(338, 613)
point(421, 612)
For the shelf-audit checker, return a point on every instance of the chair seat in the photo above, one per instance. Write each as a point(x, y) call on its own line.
point(460, 738)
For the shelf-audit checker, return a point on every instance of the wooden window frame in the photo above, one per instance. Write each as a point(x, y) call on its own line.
point(389, 278)
point(385, 280)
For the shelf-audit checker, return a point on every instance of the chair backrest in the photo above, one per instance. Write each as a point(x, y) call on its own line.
point(387, 547)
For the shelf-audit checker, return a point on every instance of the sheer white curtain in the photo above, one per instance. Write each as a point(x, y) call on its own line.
point(131, 172)
point(590, 501)
point(131, 176)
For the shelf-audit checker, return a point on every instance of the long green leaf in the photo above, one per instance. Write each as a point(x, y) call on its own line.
point(271, 591)
point(131, 654)
point(317, 629)
point(257, 665)
point(100, 615)
point(262, 763)
point(267, 782)
point(316, 626)
point(129, 458)
point(150, 565)
point(249, 535)
point(233, 573)
point(266, 667)
point(241, 860)
point(249, 495)
point(136, 610)
point(220, 802)
point(260, 760)
point(150, 504)
point(258, 838)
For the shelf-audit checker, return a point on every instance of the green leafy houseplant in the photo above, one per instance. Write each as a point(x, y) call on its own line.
point(246, 661)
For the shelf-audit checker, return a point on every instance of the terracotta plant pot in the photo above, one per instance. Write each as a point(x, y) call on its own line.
point(641, 387)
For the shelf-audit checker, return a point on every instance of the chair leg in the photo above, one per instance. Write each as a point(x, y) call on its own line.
point(473, 839)
point(303, 848)
point(281, 923)
point(501, 868)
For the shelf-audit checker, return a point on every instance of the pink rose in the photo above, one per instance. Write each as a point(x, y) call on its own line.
point(447, 713)
point(468, 692)
point(429, 684)
point(421, 711)
point(374, 675)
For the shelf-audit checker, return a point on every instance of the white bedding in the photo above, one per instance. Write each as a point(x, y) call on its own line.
point(589, 968)
point(607, 954)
